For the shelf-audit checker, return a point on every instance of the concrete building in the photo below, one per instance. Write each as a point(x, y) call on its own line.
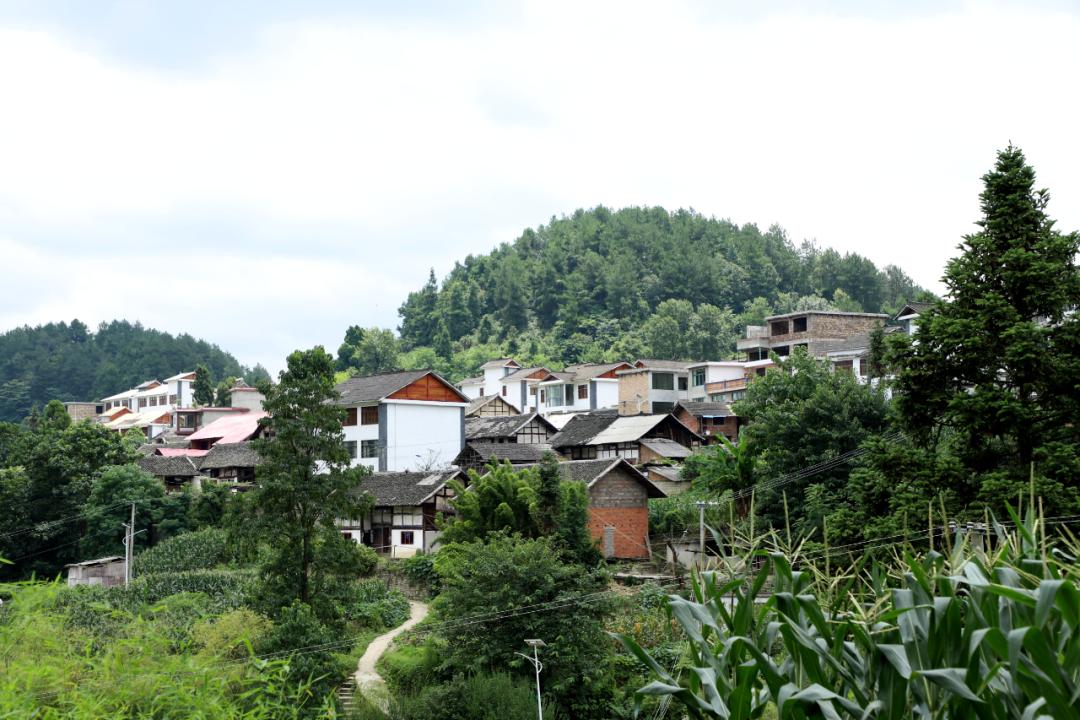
point(724, 381)
point(580, 388)
point(79, 411)
point(403, 421)
point(652, 386)
point(815, 330)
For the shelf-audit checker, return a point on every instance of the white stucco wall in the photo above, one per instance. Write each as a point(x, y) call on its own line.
point(422, 434)
point(358, 433)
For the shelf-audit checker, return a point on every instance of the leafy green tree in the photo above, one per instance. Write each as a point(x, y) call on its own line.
point(802, 414)
point(109, 507)
point(376, 353)
point(501, 500)
point(548, 495)
point(305, 482)
point(223, 392)
point(504, 573)
point(202, 389)
point(997, 363)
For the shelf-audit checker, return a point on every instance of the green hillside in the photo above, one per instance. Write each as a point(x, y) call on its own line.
point(67, 361)
point(604, 285)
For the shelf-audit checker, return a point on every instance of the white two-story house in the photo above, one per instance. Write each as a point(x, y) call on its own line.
point(581, 387)
point(405, 421)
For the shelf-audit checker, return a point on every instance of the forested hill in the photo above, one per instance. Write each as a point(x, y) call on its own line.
point(67, 361)
point(592, 285)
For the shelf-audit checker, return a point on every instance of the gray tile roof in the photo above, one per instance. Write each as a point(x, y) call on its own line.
point(177, 466)
point(373, 388)
point(500, 363)
point(800, 313)
point(227, 455)
point(522, 374)
point(586, 371)
point(514, 452)
point(583, 427)
point(672, 365)
point(500, 426)
point(404, 488)
point(589, 471)
point(855, 343)
point(705, 409)
point(666, 448)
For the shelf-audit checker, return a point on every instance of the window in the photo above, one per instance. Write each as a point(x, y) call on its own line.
point(568, 395)
point(663, 381)
point(369, 448)
point(350, 417)
point(172, 399)
point(350, 446)
point(407, 537)
point(532, 390)
point(699, 377)
point(782, 351)
point(504, 391)
point(682, 383)
point(662, 407)
point(798, 325)
point(583, 392)
point(864, 367)
point(408, 516)
point(555, 395)
point(369, 415)
point(542, 393)
point(780, 327)
point(142, 402)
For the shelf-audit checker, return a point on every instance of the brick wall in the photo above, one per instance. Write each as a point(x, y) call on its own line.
point(618, 489)
point(831, 327)
point(631, 526)
point(690, 421)
point(630, 386)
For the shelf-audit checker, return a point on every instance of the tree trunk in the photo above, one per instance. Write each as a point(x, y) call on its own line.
point(305, 563)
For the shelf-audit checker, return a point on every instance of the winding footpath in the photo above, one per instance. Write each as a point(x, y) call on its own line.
point(368, 682)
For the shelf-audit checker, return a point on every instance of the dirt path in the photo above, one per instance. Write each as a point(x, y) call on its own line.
point(368, 681)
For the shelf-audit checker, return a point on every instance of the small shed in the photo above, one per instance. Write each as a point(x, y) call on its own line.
point(107, 571)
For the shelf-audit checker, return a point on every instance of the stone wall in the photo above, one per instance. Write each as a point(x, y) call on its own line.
point(630, 386)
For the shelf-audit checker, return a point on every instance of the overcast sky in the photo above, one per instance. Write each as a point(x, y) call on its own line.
point(262, 174)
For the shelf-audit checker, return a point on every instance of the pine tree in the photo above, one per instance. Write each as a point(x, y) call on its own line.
point(203, 388)
point(997, 362)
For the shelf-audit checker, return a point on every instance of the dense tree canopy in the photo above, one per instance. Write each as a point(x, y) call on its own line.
point(66, 361)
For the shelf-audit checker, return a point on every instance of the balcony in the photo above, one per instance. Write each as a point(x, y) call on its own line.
point(725, 386)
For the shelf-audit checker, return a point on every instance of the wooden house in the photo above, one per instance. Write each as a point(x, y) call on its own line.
point(489, 406)
point(606, 434)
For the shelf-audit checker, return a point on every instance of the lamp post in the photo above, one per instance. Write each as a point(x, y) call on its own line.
point(535, 660)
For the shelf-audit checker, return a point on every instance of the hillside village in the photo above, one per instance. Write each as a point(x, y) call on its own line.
point(624, 429)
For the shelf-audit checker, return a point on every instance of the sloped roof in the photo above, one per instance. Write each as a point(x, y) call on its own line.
point(404, 488)
point(705, 409)
point(500, 426)
point(176, 452)
point(162, 466)
point(514, 452)
point(627, 429)
point(583, 427)
point(231, 429)
point(477, 403)
point(373, 388)
point(153, 416)
point(666, 448)
point(590, 471)
point(523, 374)
point(473, 381)
point(500, 363)
point(226, 455)
point(587, 371)
point(914, 308)
point(671, 365)
point(859, 342)
point(670, 473)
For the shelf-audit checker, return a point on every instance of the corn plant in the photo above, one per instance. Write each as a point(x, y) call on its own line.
point(962, 634)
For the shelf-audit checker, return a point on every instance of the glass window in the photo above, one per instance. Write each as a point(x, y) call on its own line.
point(369, 415)
point(407, 537)
point(350, 446)
point(682, 383)
point(369, 448)
point(583, 392)
point(350, 417)
point(663, 381)
point(555, 395)
point(568, 395)
point(699, 377)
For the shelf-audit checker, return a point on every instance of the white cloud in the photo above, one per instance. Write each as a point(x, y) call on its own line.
point(867, 134)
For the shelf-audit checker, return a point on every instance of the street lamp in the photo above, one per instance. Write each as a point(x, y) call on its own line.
point(535, 660)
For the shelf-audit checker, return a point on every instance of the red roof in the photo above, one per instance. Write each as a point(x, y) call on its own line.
point(177, 452)
point(230, 429)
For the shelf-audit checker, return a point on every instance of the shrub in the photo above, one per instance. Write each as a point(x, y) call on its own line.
point(225, 589)
point(420, 570)
point(298, 627)
point(199, 550)
point(232, 634)
point(409, 668)
point(376, 605)
point(478, 697)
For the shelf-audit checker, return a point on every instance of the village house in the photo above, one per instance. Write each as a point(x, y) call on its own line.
point(506, 379)
point(814, 330)
point(518, 439)
point(174, 472)
point(668, 478)
point(403, 421)
point(478, 455)
point(151, 422)
point(106, 571)
point(619, 497)
point(176, 391)
point(79, 411)
point(242, 398)
point(233, 428)
point(581, 388)
point(708, 419)
point(640, 439)
point(232, 464)
point(489, 406)
point(723, 381)
point(402, 521)
point(652, 386)
point(907, 317)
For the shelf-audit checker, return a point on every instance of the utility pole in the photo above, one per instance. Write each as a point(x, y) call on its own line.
point(535, 660)
point(129, 545)
point(701, 505)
